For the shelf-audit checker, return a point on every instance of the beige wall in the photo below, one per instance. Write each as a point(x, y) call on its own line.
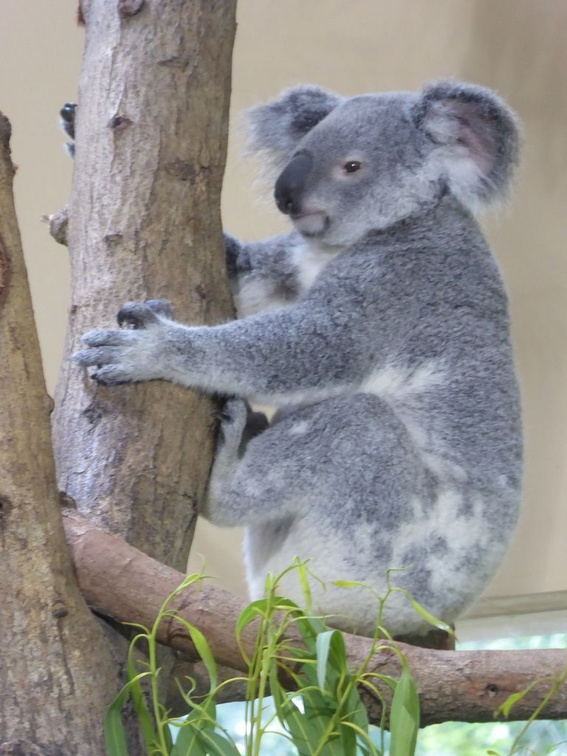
point(352, 46)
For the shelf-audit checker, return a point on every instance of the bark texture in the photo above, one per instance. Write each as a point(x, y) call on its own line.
point(469, 686)
point(144, 223)
point(56, 673)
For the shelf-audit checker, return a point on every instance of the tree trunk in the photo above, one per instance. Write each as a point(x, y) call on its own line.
point(56, 673)
point(144, 223)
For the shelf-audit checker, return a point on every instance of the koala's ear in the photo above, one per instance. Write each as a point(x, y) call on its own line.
point(279, 125)
point(476, 136)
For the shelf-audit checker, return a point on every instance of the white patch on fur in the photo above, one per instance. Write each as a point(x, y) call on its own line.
point(299, 429)
point(464, 176)
point(398, 383)
point(302, 396)
point(404, 389)
point(443, 467)
point(253, 295)
point(310, 260)
point(461, 531)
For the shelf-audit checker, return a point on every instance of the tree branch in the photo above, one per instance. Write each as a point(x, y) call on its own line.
point(125, 584)
point(53, 653)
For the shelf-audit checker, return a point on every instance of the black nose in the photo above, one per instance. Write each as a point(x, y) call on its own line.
point(291, 182)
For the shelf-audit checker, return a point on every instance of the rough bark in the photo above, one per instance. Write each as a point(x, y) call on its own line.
point(469, 686)
point(144, 223)
point(56, 673)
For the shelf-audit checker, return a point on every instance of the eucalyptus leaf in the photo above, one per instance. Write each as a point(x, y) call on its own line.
point(404, 716)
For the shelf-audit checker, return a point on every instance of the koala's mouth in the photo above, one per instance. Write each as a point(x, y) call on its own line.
point(310, 224)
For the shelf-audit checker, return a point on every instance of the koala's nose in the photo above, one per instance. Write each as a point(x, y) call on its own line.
point(290, 183)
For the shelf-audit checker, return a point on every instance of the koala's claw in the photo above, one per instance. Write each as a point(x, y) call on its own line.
point(138, 315)
point(161, 307)
point(103, 379)
point(67, 115)
point(235, 411)
point(222, 415)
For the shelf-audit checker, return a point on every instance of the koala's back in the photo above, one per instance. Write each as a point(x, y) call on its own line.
point(418, 463)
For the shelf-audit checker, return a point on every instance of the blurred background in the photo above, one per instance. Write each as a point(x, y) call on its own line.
point(516, 47)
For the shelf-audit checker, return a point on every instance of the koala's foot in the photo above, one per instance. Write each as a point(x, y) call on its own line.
point(239, 425)
point(136, 352)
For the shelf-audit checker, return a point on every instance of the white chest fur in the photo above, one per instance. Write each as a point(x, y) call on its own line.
point(310, 259)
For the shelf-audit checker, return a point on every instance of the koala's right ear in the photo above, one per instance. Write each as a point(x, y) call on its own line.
point(476, 138)
point(278, 126)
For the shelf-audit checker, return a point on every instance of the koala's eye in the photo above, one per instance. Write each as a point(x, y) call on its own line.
point(352, 166)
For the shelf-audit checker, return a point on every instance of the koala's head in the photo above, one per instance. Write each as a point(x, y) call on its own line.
point(352, 165)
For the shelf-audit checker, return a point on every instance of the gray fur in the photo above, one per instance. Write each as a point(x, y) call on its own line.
point(379, 327)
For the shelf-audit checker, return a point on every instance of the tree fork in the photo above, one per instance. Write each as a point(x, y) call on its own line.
point(468, 686)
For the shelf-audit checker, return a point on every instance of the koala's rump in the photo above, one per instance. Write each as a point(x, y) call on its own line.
point(345, 473)
point(357, 498)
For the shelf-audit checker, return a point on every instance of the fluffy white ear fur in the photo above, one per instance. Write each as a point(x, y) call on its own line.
point(276, 127)
point(476, 136)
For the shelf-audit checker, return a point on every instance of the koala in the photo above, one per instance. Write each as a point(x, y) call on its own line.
point(67, 123)
point(379, 328)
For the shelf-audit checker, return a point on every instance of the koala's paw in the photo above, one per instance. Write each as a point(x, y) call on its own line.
point(67, 120)
point(135, 352)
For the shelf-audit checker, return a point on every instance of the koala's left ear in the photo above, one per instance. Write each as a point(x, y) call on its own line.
point(476, 136)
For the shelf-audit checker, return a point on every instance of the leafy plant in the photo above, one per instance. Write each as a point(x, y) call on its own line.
point(556, 681)
point(323, 716)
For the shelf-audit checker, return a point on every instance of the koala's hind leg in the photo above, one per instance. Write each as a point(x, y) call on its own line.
point(239, 425)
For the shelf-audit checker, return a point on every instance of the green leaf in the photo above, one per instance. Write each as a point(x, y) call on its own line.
point(218, 745)
point(114, 733)
point(204, 651)
point(511, 701)
point(304, 734)
point(139, 700)
point(424, 614)
point(364, 743)
point(250, 613)
point(357, 714)
point(404, 716)
point(349, 584)
point(199, 737)
point(202, 718)
point(330, 650)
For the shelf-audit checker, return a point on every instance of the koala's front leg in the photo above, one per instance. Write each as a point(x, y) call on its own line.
point(278, 356)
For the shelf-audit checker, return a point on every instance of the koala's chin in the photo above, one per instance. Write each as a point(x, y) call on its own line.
point(311, 224)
